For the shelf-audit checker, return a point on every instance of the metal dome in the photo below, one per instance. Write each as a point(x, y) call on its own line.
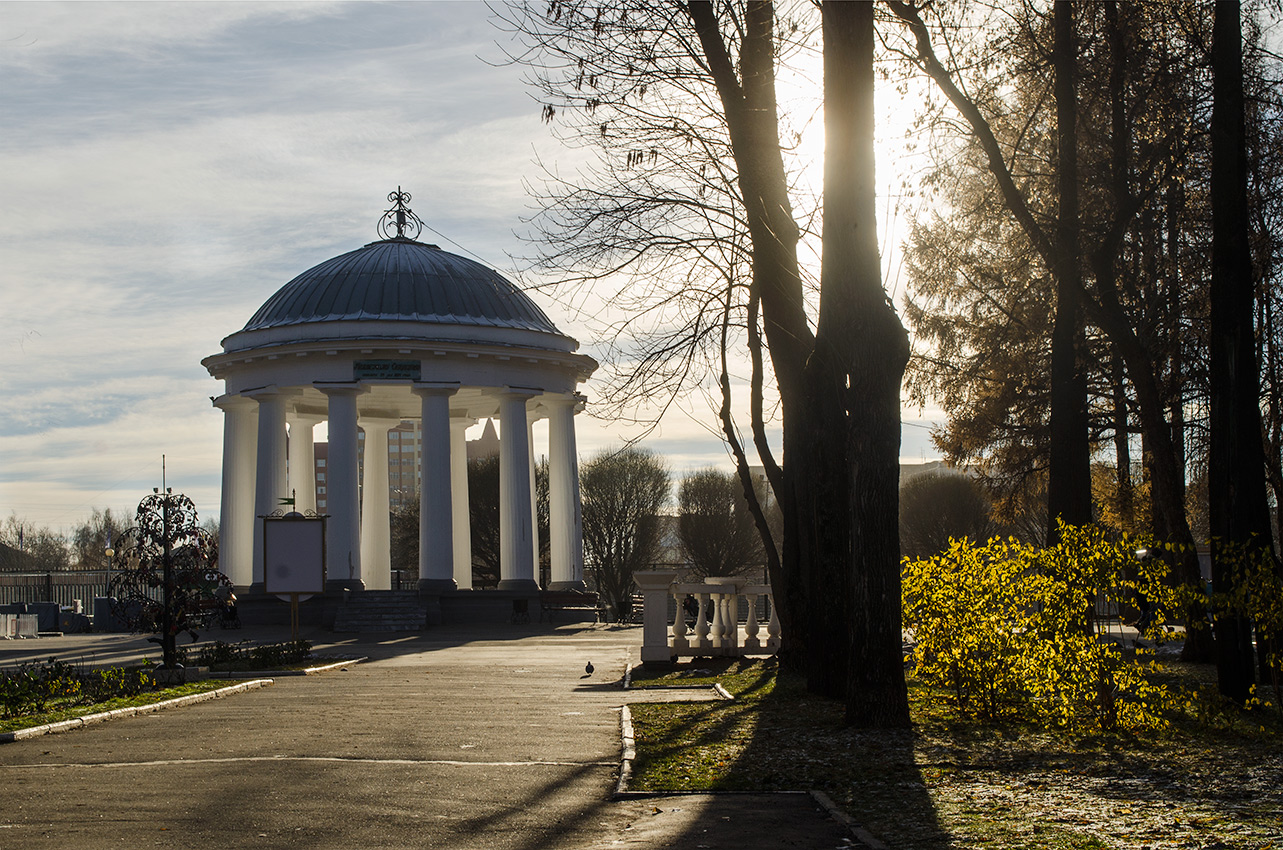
point(401, 279)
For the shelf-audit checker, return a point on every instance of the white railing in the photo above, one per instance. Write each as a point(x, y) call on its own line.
point(716, 629)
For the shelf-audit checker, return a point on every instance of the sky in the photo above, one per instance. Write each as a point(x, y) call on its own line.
point(166, 167)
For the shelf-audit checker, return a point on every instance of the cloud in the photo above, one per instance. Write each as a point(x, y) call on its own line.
point(166, 167)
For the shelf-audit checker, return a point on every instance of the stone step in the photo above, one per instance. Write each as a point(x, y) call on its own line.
point(381, 611)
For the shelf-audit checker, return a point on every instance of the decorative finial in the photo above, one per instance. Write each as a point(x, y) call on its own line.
point(400, 219)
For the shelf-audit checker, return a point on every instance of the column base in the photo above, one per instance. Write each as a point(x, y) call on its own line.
point(524, 585)
point(436, 586)
point(339, 585)
point(657, 656)
point(575, 586)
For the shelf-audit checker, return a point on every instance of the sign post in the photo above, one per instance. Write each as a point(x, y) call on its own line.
point(294, 560)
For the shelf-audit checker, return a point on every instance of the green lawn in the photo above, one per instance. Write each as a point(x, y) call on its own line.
point(958, 783)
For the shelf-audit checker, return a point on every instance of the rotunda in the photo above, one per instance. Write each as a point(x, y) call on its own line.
point(399, 329)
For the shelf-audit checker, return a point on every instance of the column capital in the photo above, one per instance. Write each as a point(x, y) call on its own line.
point(231, 401)
point(523, 393)
point(575, 401)
point(271, 391)
point(305, 417)
point(341, 388)
point(434, 388)
point(380, 419)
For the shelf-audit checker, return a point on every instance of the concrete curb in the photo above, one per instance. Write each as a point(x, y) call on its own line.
point(628, 751)
point(307, 671)
point(716, 687)
point(103, 716)
point(861, 834)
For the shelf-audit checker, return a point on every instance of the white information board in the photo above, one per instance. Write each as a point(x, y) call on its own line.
point(293, 554)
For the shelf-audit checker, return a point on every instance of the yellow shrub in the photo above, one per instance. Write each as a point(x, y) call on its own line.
point(1004, 628)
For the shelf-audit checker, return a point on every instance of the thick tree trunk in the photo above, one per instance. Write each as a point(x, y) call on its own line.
point(1069, 464)
point(861, 353)
point(1239, 511)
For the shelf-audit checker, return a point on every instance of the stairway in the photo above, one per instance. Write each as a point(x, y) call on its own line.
point(381, 611)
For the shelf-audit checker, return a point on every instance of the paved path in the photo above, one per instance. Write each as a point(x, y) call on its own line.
point(450, 738)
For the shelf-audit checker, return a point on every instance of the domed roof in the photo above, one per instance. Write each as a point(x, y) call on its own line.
point(401, 279)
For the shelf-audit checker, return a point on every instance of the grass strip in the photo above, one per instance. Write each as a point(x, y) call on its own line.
point(59, 714)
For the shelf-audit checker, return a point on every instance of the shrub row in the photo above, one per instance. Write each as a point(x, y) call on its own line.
point(247, 655)
point(33, 687)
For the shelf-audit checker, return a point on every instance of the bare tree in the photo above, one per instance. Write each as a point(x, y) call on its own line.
point(91, 537)
point(37, 547)
point(938, 505)
point(714, 525)
point(483, 518)
point(623, 491)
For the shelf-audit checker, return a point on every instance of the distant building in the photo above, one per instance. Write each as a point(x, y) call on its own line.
point(13, 560)
point(487, 445)
point(405, 453)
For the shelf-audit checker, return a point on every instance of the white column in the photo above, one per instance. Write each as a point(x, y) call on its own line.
point(462, 537)
point(270, 485)
point(534, 494)
point(565, 513)
point(654, 585)
point(236, 512)
point(376, 516)
point(516, 568)
point(302, 467)
point(436, 516)
point(343, 529)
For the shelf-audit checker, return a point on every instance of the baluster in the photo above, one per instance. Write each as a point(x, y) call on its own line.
point(701, 622)
point(772, 627)
point(751, 643)
point(679, 644)
point(733, 621)
point(719, 621)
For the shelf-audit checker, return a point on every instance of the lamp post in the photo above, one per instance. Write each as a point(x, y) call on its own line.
point(168, 644)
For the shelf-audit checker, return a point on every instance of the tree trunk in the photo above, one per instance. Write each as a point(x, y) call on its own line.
point(1238, 507)
point(1069, 463)
point(858, 366)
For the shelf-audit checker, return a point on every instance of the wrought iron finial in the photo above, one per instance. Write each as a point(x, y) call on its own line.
point(400, 222)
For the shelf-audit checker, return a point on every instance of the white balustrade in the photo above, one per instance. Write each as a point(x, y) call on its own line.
point(716, 629)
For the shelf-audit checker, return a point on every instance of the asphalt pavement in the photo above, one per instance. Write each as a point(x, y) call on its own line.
point(450, 738)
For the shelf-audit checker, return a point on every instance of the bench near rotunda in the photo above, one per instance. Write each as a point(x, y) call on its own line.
point(400, 330)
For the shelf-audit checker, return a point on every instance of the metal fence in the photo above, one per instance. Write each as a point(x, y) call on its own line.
point(61, 587)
